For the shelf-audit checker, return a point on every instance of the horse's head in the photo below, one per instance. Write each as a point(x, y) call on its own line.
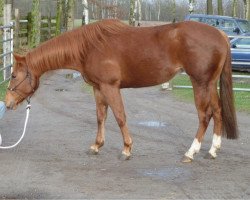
point(22, 83)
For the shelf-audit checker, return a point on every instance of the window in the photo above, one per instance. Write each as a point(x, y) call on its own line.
point(228, 26)
point(243, 43)
point(197, 19)
point(212, 22)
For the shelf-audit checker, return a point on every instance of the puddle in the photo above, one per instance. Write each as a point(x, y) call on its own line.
point(61, 90)
point(155, 124)
point(168, 173)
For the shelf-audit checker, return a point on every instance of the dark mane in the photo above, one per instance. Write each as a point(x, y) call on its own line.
point(73, 45)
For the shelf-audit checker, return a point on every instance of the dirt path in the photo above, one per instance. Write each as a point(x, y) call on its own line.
point(52, 162)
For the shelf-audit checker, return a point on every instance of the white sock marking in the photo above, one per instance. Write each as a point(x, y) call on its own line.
point(195, 148)
point(216, 144)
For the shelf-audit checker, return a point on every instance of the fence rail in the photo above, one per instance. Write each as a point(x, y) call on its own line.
point(190, 87)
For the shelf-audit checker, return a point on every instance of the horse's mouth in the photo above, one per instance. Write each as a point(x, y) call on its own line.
point(12, 106)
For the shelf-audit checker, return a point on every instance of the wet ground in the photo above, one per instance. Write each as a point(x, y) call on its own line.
point(51, 161)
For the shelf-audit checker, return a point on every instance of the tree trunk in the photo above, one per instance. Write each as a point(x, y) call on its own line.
point(132, 13)
point(209, 7)
point(70, 15)
point(159, 10)
point(191, 6)
point(174, 11)
point(64, 14)
point(35, 24)
point(58, 16)
point(17, 29)
point(1, 11)
point(115, 4)
point(235, 8)
point(220, 8)
point(247, 9)
point(85, 13)
point(139, 12)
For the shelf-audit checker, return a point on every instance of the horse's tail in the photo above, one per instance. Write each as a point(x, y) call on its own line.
point(230, 128)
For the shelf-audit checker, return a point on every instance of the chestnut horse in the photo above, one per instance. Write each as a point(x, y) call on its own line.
point(111, 55)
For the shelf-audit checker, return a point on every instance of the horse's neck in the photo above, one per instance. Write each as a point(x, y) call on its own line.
point(53, 55)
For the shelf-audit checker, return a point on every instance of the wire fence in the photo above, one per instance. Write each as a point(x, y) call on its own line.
point(6, 55)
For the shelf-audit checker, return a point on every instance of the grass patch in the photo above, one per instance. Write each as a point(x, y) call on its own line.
point(242, 99)
point(3, 87)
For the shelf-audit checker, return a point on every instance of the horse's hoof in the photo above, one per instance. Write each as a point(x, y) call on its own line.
point(209, 156)
point(186, 159)
point(92, 151)
point(124, 156)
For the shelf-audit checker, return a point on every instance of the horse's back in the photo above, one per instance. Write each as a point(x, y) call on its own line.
point(147, 56)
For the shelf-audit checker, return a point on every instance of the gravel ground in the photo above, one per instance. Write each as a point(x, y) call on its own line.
point(51, 162)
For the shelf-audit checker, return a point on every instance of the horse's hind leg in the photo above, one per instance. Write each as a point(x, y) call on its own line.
point(101, 112)
point(113, 97)
point(202, 102)
point(216, 107)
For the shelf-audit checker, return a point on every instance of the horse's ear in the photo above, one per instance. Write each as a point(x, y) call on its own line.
point(19, 58)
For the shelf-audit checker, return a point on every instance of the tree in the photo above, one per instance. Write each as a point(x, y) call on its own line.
point(247, 9)
point(1, 11)
point(191, 6)
point(35, 24)
point(220, 8)
point(209, 7)
point(132, 13)
point(85, 14)
point(139, 12)
point(234, 8)
point(58, 16)
point(70, 14)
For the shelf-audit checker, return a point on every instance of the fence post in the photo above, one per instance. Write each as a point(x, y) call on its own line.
point(17, 29)
point(7, 44)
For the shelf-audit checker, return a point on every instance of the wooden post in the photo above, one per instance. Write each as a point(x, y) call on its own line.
point(17, 29)
point(7, 45)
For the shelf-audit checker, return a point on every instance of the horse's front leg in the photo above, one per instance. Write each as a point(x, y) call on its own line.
point(101, 112)
point(113, 98)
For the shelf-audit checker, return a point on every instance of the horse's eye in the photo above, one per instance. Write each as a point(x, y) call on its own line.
point(13, 76)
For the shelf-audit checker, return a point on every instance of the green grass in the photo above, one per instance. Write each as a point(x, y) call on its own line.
point(242, 99)
point(2, 87)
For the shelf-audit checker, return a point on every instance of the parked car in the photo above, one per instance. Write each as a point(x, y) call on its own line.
point(240, 50)
point(230, 25)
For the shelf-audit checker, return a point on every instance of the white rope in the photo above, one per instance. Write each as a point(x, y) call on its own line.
point(24, 129)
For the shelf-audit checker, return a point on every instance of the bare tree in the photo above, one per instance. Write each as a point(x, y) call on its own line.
point(1, 11)
point(219, 6)
point(139, 12)
point(234, 8)
point(132, 13)
point(58, 16)
point(85, 14)
point(209, 7)
point(34, 36)
point(70, 15)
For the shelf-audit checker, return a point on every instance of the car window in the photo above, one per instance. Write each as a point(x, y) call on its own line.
point(197, 19)
point(212, 22)
point(228, 26)
point(242, 43)
point(245, 25)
